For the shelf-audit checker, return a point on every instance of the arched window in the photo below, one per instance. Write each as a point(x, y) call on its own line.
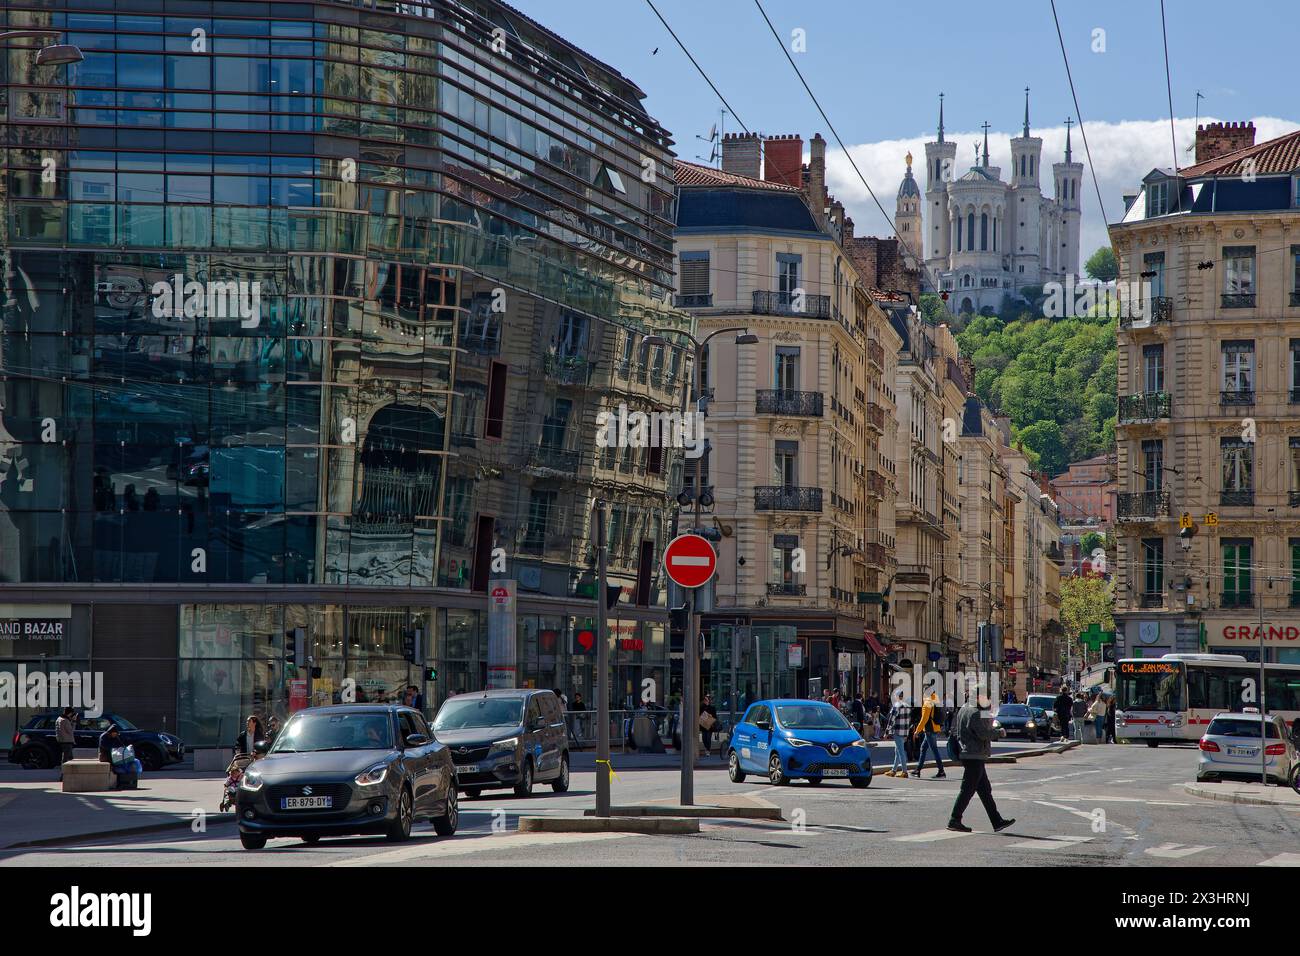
point(970, 231)
point(995, 233)
point(1022, 165)
point(984, 232)
point(1031, 165)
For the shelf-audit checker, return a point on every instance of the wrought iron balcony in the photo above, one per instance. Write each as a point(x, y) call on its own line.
point(1144, 407)
point(1238, 300)
point(1156, 310)
point(874, 554)
point(787, 303)
point(1144, 505)
point(875, 416)
point(876, 354)
point(787, 590)
point(1240, 396)
point(787, 498)
point(1236, 498)
point(555, 457)
point(1152, 599)
point(568, 370)
point(876, 486)
point(1293, 499)
point(1236, 599)
point(782, 401)
point(1295, 298)
point(698, 300)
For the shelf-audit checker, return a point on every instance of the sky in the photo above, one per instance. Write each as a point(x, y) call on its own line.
point(878, 67)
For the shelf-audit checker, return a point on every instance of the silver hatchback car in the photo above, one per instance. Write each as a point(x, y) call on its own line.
point(1230, 749)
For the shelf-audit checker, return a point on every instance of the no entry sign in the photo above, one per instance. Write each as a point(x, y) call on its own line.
point(690, 560)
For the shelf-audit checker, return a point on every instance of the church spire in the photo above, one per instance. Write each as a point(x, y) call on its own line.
point(941, 117)
point(1068, 123)
point(986, 145)
point(1026, 112)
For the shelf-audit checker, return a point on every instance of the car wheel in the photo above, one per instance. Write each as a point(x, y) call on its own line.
point(561, 783)
point(473, 792)
point(311, 839)
point(36, 758)
point(150, 758)
point(1153, 743)
point(524, 788)
point(400, 829)
point(1295, 779)
point(252, 841)
point(446, 824)
point(774, 772)
point(861, 783)
point(734, 773)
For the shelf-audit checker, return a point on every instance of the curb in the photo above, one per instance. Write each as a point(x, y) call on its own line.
point(704, 811)
point(1233, 796)
point(212, 818)
point(647, 824)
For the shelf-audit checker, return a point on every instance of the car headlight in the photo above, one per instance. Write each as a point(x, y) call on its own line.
point(858, 743)
point(375, 775)
point(251, 781)
point(796, 742)
point(1030, 723)
point(499, 746)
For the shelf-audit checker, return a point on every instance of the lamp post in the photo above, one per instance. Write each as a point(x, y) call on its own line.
point(602, 666)
point(691, 644)
point(58, 54)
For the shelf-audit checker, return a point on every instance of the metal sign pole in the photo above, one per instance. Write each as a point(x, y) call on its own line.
point(603, 768)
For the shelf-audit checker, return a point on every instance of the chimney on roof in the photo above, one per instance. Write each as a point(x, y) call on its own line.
point(817, 177)
point(1216, 139)
point(846, 233)
point(742, 154)
point(783, 160)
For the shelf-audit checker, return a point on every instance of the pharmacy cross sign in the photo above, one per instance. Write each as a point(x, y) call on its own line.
point(1094, 637)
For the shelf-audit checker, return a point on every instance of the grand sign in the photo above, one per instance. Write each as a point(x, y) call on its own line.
point(1229, 631)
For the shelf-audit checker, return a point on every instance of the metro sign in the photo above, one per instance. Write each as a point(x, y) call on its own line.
point(690, 560)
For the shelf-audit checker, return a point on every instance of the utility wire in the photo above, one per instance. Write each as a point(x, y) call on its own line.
point(1169, 86)
point(1079, 113)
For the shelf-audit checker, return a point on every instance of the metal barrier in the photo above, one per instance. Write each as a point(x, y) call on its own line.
point(581, 727)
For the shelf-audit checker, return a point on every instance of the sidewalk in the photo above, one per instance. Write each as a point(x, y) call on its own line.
point(1250, 793)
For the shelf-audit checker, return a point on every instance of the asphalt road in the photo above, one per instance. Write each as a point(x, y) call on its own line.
point(1095, 806)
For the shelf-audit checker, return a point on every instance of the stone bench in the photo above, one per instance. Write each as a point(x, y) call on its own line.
point(86, 776)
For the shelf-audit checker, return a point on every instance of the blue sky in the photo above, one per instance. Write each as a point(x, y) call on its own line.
point(878, 72)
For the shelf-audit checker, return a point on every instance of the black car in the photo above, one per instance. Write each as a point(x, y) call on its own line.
point(1018, 720)
point(347, 769)
point(505, 739)
point(34, 745)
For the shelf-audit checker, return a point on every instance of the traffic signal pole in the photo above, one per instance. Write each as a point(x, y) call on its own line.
point(603, 768)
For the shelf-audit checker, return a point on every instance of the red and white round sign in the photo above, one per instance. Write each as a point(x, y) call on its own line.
point(690, 560)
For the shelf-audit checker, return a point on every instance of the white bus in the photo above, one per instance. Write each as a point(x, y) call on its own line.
point(1175, 697)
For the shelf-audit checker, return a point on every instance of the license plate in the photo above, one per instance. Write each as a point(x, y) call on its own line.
point(1242, 751)
point(467, 768)
point(836, 772)
point(306, 803)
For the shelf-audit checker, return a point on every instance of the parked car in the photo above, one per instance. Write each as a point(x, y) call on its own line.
point(1018, 720)
point(34, 745)
point(505, 739)
point(1229, 749)
point(797, 739)
point(347, 769)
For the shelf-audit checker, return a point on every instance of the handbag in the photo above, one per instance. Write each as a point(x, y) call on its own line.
point(707, 720)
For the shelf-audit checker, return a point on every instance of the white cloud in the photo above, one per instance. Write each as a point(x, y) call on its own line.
point(1124, 152)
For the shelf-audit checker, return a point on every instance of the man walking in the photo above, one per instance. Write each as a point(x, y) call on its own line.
point(65, 734)
point(929, 726)
point(1063, 706)
point(900, 722)
point(1079, 716)
point(975, 733)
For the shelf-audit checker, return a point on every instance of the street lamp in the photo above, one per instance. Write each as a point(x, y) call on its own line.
point(58, 54)
point(691, 648)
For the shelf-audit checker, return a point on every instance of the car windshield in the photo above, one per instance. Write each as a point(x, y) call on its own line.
point(1013, 710)
point(1229, 727)
point(810, 717)
point(1045, 701)
point(473, 712)
point(122, 722)
point(307, 733)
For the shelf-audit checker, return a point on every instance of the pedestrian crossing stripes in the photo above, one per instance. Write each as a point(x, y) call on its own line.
point(1282, 859)
point(1173, 851)
point(1057, 842)
point(929, 836)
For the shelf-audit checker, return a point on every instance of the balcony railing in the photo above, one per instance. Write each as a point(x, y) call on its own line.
point(1238, 300)
point(876, 354)
point(876, 485)
point(1239, 396)
point(874, 554)
point(781, 401)
point(1152, 599)
point(568, 370)
point(1156, 310)
point(1144, 505)
point(697, 300)
point(875, 416)
point(1295, 298)
point(787, 590)
point(787, 498)
point(1236, 599)
point(555, 457)
point(1144, 407)
point(1293, 499)
point(1236, 497)
point(788, 303)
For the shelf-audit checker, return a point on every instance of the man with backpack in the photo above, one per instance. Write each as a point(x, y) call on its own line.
point(972, 734)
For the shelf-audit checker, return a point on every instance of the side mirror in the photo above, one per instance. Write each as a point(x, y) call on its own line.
point(763, 724)
point(261, 746)
point(416, 740)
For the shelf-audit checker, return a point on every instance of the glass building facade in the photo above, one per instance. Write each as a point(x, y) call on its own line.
point(307, 311)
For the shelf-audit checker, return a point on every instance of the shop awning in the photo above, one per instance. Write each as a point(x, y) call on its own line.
point(873, 642)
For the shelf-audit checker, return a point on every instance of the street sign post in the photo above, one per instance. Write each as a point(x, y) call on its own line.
point(690, 560)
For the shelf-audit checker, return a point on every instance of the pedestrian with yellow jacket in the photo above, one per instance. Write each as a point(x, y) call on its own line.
point(929, 726)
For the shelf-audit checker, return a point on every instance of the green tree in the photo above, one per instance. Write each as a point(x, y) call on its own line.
point(1102, 265)
point(1045, 440)
point(1086, 601)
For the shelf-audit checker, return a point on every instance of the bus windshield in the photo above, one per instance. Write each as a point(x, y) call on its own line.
point(1150, 685)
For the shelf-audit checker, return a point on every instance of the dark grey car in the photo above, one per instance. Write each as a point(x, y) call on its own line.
point(351, 768)
point(505, 739)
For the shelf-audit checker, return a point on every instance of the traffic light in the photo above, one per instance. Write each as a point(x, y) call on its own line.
point(612, 593)
point(412, 639)
point(431, 673)
point(294, 646)
point(679, 618)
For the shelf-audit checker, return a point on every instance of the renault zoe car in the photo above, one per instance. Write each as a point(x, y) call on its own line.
point(797, 739)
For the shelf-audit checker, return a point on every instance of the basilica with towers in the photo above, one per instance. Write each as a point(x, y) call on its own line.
point(986, 238)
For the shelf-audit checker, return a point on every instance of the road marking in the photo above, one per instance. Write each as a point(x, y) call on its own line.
point(1173, 851)
point(1050, 843)
point(1122, 781)
point(930, 836)
point(462, 847)
point(1282, 859)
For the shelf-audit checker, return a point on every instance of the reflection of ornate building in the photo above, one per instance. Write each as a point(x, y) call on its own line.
point(450, 286)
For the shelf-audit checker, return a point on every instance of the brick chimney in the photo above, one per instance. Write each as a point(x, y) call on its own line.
point(742, 154)
point(1215, 139)
point(817, 177)
point(846, 236)
point(783, 160)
